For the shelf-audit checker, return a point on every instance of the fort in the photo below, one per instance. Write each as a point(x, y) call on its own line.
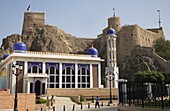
point(128, 36)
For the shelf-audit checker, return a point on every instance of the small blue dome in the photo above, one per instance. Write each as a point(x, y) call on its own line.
point(111, 32)
point(5, 56)
point(92, 51)
point(20, 46)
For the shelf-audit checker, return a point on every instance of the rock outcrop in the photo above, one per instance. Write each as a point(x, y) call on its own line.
point(137, 63)
point(47, 39)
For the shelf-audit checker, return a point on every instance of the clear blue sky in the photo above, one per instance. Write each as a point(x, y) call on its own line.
point(85, 18)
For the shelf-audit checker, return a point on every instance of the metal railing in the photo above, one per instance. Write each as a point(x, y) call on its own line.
point(148, 95)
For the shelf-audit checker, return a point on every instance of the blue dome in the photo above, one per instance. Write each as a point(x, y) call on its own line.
point(5, 56)
point(19, 46)
point(92, 51)
point(111, 32)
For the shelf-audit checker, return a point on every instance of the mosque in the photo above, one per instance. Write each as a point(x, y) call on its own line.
point(37, 71)
point(45, 70)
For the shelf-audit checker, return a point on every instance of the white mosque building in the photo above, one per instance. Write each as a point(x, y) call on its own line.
point(41, 70)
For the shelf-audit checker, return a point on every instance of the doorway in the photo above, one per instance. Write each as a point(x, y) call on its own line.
point(37, 87)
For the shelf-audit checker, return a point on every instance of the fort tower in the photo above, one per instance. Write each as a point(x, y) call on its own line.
point(33, 20)
point(115, 23)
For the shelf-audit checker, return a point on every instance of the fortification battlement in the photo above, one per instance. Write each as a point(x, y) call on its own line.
point(156, 30)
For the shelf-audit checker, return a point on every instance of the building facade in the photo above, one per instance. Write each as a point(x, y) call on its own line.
point(42, 70)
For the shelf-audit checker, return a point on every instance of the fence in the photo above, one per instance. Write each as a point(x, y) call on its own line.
point(148, 95)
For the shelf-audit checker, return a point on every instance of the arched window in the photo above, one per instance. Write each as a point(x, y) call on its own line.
point(47, 71)
point(34, 69)
point(57, 71)
point(68, 70)
point(40, 70)
point(53, 73)
point(52, 69)
point(68, 78)
point(38, 87)
point(31, 87)
point(43, 88)
point(29, 70)
point(83, 78)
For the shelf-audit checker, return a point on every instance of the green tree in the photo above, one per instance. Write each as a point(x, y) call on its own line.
point(149, 76)
point(162, 48)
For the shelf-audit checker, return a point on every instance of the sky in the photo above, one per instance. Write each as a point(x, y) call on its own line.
point(85, 18)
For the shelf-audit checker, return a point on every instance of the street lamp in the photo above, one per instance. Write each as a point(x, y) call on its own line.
point(16, 70)
point(110, 77)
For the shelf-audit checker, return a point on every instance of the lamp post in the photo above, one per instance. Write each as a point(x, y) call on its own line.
point(16, 70)
point(110, 77)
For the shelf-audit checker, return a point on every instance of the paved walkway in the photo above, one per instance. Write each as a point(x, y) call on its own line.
point(60, 102)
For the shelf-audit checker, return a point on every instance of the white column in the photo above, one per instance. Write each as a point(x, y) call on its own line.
point(111, 52)
point(116, 74)
point(99, 75)
point(44, 71)
point(91, 76)
point(76, 75)
point(6, 78)
point(25, 72)
point(108, 50)
point(28, 86)
point(114, 50)
point(60, 75)
point(43, 67)
point(13, 80)
point(46, 86)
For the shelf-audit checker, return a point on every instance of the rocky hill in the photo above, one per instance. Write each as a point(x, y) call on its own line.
point(47, 39)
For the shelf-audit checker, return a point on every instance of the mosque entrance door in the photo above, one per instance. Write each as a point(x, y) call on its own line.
point(37, 87)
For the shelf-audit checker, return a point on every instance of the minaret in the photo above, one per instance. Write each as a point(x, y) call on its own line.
point(111, 69)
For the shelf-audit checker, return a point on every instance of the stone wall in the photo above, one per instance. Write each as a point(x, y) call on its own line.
point(130, 36)
point(164, 63)
point(140, 50)
point(87, 92)
point(25, 101)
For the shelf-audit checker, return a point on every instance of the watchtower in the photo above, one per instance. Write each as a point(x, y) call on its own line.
point(33, 20)
point(114, 22)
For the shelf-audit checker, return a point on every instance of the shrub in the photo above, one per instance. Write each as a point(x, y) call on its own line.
point(40, 101)
point(82, 98)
